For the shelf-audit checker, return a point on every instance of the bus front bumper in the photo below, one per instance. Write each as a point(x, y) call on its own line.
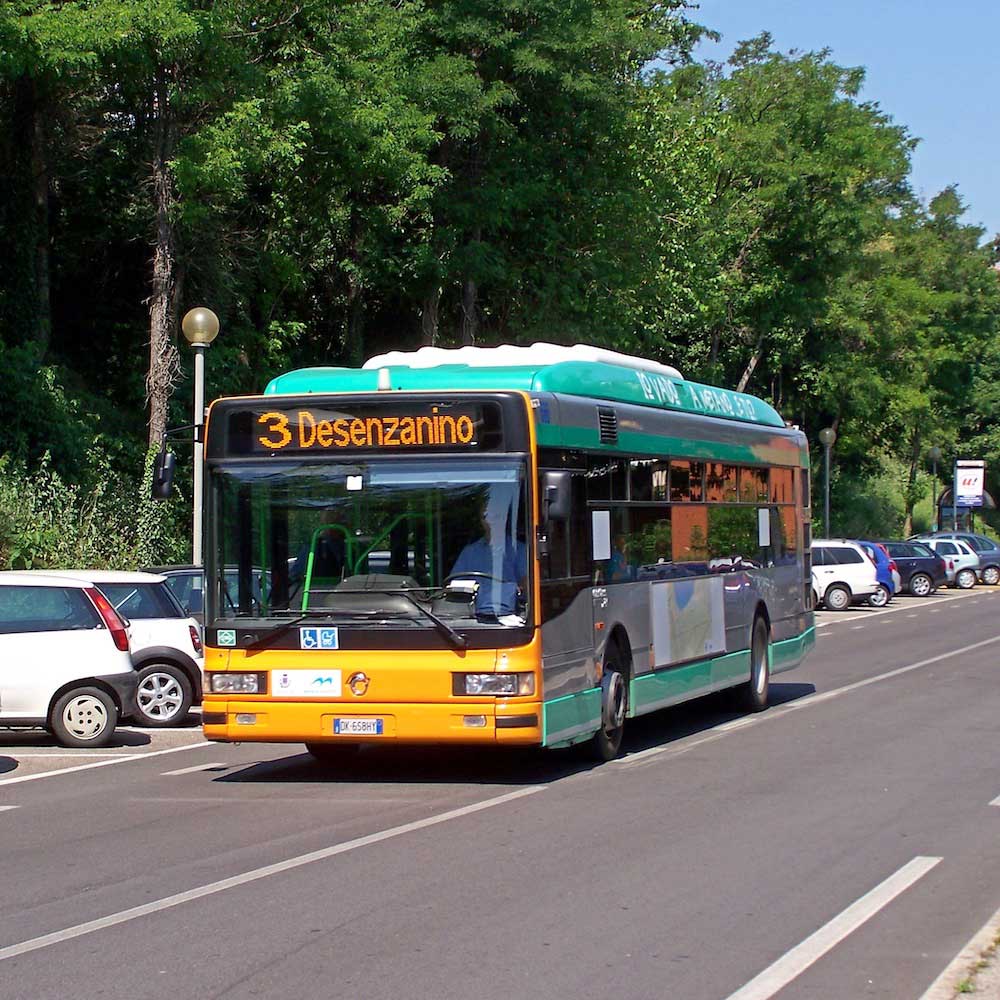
point(485, 722)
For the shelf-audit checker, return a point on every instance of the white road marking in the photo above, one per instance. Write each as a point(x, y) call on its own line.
point(996, 801)
point(101, 763)
point(55, 755)
point(191, 770)
point(674, 749)
point(7, 808)
point(855, 628)
point(255, 874)
point(791, 965)
point(945, 986)
point(913, 616)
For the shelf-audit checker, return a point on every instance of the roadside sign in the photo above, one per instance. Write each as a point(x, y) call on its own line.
point(970, 479)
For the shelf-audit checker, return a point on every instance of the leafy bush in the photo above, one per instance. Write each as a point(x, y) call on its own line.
point(47, 523)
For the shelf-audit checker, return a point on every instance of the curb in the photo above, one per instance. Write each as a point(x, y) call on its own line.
point(964, 964)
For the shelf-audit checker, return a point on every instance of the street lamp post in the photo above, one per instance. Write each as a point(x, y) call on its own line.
point(934, 454)
point(201, 327)
point(826, 438)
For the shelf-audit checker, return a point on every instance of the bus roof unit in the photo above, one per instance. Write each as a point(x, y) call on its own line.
point(576, 371)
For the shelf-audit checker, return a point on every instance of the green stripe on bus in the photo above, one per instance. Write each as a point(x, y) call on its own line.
point(789, 652)
point(678, 684)
point(566, 717)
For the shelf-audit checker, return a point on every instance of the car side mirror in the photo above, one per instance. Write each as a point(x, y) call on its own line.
point(556, 496)
point(163, 475)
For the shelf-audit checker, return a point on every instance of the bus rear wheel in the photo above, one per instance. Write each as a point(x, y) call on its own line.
point(756, 690)
point(607, 741)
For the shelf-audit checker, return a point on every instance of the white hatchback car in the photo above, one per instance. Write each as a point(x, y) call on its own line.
point(961, 563)
point(64, 660)
point(841, 573)
point(166, 642)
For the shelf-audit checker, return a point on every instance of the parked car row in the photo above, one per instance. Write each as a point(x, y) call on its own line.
point(82, 650)
point(853, 571)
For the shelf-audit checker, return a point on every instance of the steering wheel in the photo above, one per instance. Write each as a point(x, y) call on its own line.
point(473, 573)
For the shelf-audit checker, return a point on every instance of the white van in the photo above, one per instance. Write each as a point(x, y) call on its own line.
point(842, 573)
point(65, 664)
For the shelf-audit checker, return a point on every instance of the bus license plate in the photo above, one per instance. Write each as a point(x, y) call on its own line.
point(357, 727)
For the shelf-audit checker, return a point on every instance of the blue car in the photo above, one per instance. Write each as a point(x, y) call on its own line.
point(883, 573)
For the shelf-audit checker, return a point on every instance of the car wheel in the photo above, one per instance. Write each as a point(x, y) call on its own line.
point(991, 576)
point(880, 598)
point(756, 690)
point(920, 585)
point(965, 579)
point(607, 741)
point(332, 754)
point(163, 696)
point(84, 717)
point(837, 598)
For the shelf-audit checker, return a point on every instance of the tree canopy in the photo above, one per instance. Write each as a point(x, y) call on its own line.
point(335, 180)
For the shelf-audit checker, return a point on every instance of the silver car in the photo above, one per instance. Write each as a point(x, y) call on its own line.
point(960, 562)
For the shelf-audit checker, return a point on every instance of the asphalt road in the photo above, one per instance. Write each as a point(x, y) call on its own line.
point(845, 843)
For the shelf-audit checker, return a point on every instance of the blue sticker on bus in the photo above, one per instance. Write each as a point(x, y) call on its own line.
point(319, 638)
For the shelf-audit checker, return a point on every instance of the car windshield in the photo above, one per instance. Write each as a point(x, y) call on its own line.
point(358, 543)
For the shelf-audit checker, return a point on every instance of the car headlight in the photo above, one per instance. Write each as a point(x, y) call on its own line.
point(232, 683)
point(495, 684)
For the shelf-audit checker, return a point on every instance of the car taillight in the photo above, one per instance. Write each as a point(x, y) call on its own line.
point(951, 564)
point(893, 566)
point(110, 618)
point(195, 639)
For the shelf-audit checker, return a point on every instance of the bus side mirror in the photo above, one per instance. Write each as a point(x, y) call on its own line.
point(556, 496)
point(163, 475)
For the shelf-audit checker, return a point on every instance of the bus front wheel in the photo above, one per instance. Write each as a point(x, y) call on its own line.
point(607, 741)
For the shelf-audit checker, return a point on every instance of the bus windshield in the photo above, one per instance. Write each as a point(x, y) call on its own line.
point(372, 544)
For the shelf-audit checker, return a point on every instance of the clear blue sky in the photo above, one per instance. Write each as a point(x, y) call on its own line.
point(935, 67)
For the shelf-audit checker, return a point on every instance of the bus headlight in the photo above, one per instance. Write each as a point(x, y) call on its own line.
point(227, 683)
point(510, 685)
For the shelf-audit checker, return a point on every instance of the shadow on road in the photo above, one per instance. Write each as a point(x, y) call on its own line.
point(495, 766)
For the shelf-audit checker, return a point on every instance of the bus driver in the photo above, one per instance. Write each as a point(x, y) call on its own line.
point(496, 560)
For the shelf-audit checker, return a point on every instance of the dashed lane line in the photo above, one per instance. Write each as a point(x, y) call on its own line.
point(793, 963)
point(191, 770)
point(101, 763)
point(6, 808)
point(255, 874)
point(996, 801)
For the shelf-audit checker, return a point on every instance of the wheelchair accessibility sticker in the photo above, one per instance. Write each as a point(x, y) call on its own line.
point(318, 638)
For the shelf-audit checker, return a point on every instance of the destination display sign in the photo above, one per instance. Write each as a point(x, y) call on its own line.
point(302, 428)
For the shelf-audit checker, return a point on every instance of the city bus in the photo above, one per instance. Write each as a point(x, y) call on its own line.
point(510, 546)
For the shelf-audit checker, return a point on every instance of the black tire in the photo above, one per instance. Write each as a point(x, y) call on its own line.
point(965, 579)
point(921, 585)
point(881, 597)
point(163, 696)
point(755, 692)
point(837, 597)
point(991, 575)
point(607, 741)
point(332, 754)
point(84, 717)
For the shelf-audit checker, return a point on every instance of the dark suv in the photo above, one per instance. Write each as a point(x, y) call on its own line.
point(921, 569)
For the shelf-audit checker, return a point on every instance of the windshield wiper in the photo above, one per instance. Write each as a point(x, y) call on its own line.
point(455, 638)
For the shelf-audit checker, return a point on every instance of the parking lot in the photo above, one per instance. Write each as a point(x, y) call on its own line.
point(31, 754)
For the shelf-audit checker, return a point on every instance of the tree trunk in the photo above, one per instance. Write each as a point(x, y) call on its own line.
point(911, 482)
point(34, 270)
point(163, 360)
point(751, 366)
point(429, 318)
point(470, 321)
